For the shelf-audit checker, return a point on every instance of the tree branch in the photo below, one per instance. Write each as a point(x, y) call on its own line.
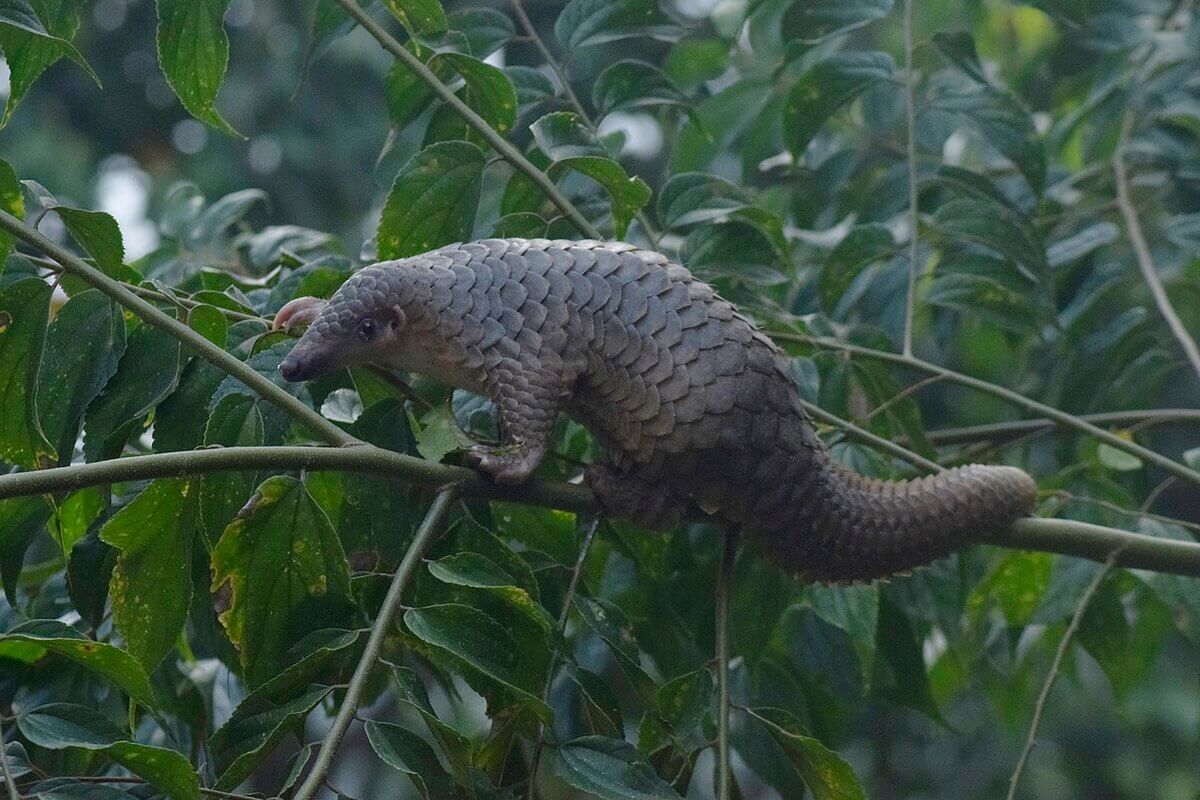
point(379, 630)
point(1133, 228)
point(910, 117)
point(501, 145)
point(576, 571)
point(724, 581)
point(1003, 431)
point(9, 781)
point(1060, 417)
point(228, 363)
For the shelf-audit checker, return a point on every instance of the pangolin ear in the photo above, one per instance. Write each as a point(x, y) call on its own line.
point(397, 318)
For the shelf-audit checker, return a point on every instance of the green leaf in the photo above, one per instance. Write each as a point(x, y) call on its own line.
point(433, 200)
point(21, 519)
point(634, 84)
point(562, 134)
point(12, 200)
point(489, 92)
point(1117, 460)
point(407, 95)
point(98, 234)
point(827, 86)
point(480, 572)
point(193, 51)
point(532, 86)
point(995, 228)
point(900, 675)
point(439, 435)
point(419, 16)
point(151, 586)
point(600, 708)
point(403, 750)
point(477, 640)
point(994, 296)
point(24, 308)
point(104, 659)
point(486, 29)
point(61, 725)
point(610, 769)
point(690, 198)
point(253, 731)
point(627, 194)
point(286, 571)
point(863, 245)
point(455, 746)
point(854, 609)
point(84, 344)
point(1082, 243)
point(32, 40)
point(824, 772)
point(959, 49)
point(609, 623)
point(147, 373)
point(810, 21)
point(235, 422)
point(590, 22)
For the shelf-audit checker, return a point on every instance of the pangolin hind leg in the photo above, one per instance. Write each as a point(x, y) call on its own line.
point(634, 497)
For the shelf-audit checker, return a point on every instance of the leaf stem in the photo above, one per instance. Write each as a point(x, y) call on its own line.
point(910, 118)
point(379, 631)
point(501, 145)
point(724, 581)
point(228, 363)
point(9, 781)
point(1061, 417)
point(540, 744)
point(1054, 667)
point(1141, 251)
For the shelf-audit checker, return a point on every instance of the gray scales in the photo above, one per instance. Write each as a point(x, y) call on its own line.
point(695, 408)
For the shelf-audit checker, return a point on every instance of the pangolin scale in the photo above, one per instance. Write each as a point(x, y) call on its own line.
point(695, 407)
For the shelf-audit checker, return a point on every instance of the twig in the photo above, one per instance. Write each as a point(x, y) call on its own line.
point(189, 338)
point(864, 435)
point(906, 392)
point(540, 744)
point(1061, 417)
point(379, 631)
point(1001, 431)
point(1139, 513)
point(910, 115)
point(1133, 228)
point(1054, 667)
point(501, 145)
point(724, 580)
point(9, 781)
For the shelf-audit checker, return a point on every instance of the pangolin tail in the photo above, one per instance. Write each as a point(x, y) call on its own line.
point(857, 529)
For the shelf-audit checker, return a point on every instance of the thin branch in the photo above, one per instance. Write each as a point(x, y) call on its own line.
point(379, 631)
point(1133, 228)
point(1061, 417)
point(1003, 431)
point(865, 436)
point(910, 116)
point(228, 363)
point(1054, 667)
point(540, 744)
point(724, 582)
point(906, 392)
point(1139, 513)
point(9, 781)
point(142, 781)
point(501, 145)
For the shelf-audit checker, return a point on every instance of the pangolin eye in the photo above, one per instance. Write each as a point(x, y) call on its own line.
point(366, 330)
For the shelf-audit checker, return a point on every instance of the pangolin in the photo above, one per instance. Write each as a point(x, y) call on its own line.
point(695, 408)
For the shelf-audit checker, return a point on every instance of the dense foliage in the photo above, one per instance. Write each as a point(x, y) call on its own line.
point(170, 630)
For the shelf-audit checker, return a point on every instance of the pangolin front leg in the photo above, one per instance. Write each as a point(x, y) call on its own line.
point(528, 396)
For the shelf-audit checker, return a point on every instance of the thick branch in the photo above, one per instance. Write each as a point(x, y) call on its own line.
point(501, 145)
point(1142, 252)
point(379, 631)
point(1060, 417)
point(1092, 542)
point(189, 338)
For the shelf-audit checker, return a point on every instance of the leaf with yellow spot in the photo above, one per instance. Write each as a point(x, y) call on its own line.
point(827, 776)
point(284, 564)
point(433, 200)
point(24, 311)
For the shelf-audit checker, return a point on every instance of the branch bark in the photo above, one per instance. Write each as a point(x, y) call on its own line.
point(910, 118)
point(379, 631)
point(501, 145)
point(1003, 431)
point(1141, 251)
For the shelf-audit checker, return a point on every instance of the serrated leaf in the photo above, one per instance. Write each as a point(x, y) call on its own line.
point(151, 586)
point(98, 234)
point(60, 725)
point(419, 16)
point(33, 40)
point(862, 246)
point(827, 86)
point(254, 729)
point(634, 84)
point(824, 772)
point(84, 344)
point(193, 51)
point(432, 201)
point(611, 769)
point(627, 194)
point(811, 21)
point(104, 659)
point(148, 371)
point(235, 422)
point(995, 228)
point(24, 309)
point(489, 92)
point(284, 565)
point(583, 23)
point(403, 750)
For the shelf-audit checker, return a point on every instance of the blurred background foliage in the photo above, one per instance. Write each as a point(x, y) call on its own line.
point(771, 135)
